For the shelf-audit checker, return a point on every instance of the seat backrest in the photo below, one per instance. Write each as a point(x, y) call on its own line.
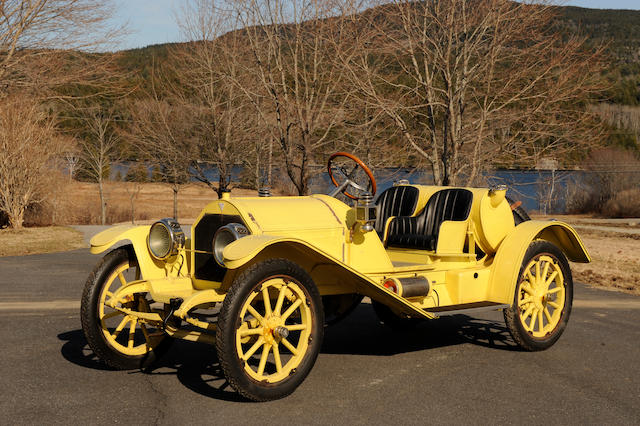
point(421, 231)
point(395, 201)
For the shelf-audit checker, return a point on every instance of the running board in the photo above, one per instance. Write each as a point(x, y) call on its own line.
point(466, 308)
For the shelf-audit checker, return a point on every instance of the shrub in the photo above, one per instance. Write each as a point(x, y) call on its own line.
point(625, 204)
point(609, 173)
point(29, 148)
point(138, 172)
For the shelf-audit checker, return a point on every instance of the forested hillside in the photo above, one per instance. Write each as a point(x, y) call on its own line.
point(619, 30)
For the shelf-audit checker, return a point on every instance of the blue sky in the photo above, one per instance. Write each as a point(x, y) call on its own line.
point(152, 21)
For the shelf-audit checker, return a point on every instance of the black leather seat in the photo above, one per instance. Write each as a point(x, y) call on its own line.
point(395, 201)
point(421, 232)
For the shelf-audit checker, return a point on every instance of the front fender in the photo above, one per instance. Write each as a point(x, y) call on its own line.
point(150, 268)
point(243, 250)
point(508, 260)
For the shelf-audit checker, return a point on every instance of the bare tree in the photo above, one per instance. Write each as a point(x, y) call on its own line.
point(99, 149)
point(38, 39)
point(72, 161)
point(370, 134)
point(29, 147)
point(133, 190)
point(298, 90)
point(207, 73)
point(161, 130)
point(468, 84)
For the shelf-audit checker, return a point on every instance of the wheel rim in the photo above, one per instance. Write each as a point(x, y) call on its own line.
point(126, 333)
point(274, 330)
point(541, 296)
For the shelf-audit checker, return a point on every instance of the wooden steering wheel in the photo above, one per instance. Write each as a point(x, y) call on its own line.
point(350, 175)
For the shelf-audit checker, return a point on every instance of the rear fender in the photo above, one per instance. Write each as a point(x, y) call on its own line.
point(508, 260)
point(150, 268)
point(326, 270)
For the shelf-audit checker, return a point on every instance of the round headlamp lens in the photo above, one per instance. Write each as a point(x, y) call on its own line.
point(224, 236)
point(160, 241)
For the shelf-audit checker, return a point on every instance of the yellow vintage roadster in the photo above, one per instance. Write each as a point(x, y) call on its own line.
point(260, 277)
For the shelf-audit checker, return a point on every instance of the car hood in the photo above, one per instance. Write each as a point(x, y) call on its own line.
point(273, 214)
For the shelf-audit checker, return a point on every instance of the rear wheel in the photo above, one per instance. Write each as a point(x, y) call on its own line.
point(543, 298)
point(270, 330)
point(121, 341)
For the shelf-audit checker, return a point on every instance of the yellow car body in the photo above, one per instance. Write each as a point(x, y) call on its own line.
point(320, 233)
point(294, 262)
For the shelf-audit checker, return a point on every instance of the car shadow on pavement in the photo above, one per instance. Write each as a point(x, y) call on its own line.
point(362, 334)
point(194, 364)
point(76, 350)
point(197, 367)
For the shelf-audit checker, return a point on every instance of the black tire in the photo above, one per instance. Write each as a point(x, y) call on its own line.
point(517, 326)
point(338, 307)
point(92, 325)
point(389, 318)
point(519, 214)
point(245, 290)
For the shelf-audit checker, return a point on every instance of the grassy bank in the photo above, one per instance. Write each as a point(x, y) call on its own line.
point(46, 239)
point(78, 203)
point(615, 261)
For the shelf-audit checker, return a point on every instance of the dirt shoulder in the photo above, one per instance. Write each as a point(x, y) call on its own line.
point(47, 239)
point(615, 261)
point(615, 254)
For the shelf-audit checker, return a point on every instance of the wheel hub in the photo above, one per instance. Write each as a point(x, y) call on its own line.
point(274, 329)
point(539, 299)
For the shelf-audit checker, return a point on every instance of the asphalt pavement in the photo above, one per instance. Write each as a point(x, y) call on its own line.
point(459, 369)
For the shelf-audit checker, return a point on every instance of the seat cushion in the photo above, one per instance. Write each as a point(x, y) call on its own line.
point(416, 241)
point(421, 232)
point(395, 201)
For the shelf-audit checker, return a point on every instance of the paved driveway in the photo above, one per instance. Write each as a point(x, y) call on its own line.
point(454, 370)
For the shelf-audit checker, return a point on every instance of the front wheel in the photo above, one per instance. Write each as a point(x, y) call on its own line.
point(543, 298)
point(121, 341)
point(270, 330)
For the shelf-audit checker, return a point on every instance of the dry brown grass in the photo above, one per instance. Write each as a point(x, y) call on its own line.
point(39, 240)
point(615, 256)
point(615, 261)
point(624, 204)
point(154, 201)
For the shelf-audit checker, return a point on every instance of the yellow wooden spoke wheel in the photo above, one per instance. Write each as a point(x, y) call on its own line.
point(543, 297)
point(119, 339)
point(126, 333)
point(269, 329)
point(281, 336)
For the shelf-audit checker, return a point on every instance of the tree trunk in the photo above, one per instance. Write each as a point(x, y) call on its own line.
point(222, 184)
point(175, 201)
point(16, 218)
point(103, 204)
point(133, 212)
point(269, 161)
point(259, 171)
